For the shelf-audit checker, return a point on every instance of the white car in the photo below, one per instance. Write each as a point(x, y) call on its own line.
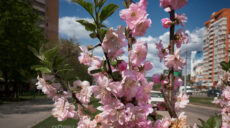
point(156, 98)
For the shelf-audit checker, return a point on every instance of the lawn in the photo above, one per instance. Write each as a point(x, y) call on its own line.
point(52, 122)
point(206, 101)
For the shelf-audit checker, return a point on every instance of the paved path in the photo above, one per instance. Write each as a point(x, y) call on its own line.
point(24, 114)
point(194, 112)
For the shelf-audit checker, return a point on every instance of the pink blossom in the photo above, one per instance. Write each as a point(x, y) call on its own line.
point(181, 122)
point(163, 123)
point(84, 57)
point(143, 93)
point(195, 126)
point(161, 51)
point(216, 101)
point(141, 26)
point(95, 64)
point(136, 18)
point(174, 4)
point(122, 66)
point(175, 61)
point(86, 122)
point(161, 106)
point(182, 101)
point(134, 13)
point(85, 92)
point(181, 37)
point(177, 83)
point(102, 90)
point(139, 53)
point(225, 117)
point(63, 109)
point(166, 22)
point(46, 88)
point(181, 19)
point(160, 79)
point(226, 93)
point(147, 66)
point(114, 41)
point(129, 83)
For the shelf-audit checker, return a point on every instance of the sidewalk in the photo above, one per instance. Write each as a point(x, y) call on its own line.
point(25, 114)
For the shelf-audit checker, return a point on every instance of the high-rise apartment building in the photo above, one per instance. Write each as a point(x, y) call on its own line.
point(49, 11)
point(216, 45)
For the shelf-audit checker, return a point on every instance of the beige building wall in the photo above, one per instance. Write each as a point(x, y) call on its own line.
point(49, 10)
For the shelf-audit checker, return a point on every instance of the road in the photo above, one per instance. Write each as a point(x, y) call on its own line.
point(194, 112)
point(24, 114)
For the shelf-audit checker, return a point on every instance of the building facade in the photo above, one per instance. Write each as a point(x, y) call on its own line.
point(197, 67)
point(49, 11)
point(216, 45)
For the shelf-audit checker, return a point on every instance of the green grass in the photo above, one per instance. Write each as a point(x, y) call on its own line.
point(206, 101)
point(52, 122)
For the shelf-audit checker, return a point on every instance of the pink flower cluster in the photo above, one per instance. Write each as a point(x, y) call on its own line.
point(62, 108)
point(136, 18)
point(181, 101)
point(162, 52)
point(224, 102)
point(123, 92)
point(181, 122)
point(172, 4)
point(114, 41)
point(175, 61)
point(125, 102)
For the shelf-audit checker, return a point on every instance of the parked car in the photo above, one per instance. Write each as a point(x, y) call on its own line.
point(156, 98)
point(213, 93)
point(189, 90)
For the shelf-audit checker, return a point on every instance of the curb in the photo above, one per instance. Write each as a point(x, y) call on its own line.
point(202, 106)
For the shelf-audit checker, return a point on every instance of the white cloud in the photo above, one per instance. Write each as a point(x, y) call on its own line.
point(72, 29)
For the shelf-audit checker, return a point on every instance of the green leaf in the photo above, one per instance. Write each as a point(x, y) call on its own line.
point(43, 69)
point(87, 5)
point(224, 66)
point(103, 26)
point(33, 50)
point(95, 71)
point(101, 3)
point(36, 53)
point(113, 63)
point(102, 33)
point(93, 35)
point(50, 53)
point(117, 76)
point(103, 66)
point(107, 11)
point(88, 26)
point(36, 66)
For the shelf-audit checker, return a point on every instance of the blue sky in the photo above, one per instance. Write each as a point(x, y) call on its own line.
point(197, 11)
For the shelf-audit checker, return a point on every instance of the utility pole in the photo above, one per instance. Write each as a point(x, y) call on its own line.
point(185, 76)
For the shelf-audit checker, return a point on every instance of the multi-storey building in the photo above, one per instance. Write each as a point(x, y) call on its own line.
point(49, 11)
point(216, 45)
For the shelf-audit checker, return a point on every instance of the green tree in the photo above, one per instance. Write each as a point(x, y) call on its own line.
point(69, 51)
point(19, 28)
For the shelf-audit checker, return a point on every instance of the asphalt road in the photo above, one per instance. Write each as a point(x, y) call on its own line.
point(194, 112)
point(24, 114)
